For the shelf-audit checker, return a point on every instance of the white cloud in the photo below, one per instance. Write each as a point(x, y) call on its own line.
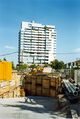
point(9, 47)
point(77, 50)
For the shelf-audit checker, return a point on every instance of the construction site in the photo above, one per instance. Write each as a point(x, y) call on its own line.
point(37, 95)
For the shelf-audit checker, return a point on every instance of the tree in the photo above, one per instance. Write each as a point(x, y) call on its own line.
point(46, 65)
point(61, 65)
point(57, 64)
point(32, 66)
point(21, 67)
point(13, 67)
point(4, 59)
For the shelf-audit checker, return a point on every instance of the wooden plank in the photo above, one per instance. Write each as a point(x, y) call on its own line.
point(38, 90)
point(45, 91)
point(52, 82)
point(33, 92)
point(46, 83)
point(39, 81)
point(52, 93)
point(28, 87)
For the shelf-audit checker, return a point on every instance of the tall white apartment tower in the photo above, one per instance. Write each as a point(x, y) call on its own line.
point(37, 43)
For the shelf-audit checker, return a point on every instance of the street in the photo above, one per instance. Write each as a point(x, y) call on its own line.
point(33, 107)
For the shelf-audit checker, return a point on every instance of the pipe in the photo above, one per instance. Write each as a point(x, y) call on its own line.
point(70, 87)
point(74, 86)
point(67, 86)
point(72, 90)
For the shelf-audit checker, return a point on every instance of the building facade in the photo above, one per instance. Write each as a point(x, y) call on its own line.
point(75, 64)
point(37, 43)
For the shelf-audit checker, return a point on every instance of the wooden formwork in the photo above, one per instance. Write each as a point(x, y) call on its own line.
point(5, 89)
point(38, 90)
point(33, 85)
point(52, 92)
point(29, 79)
point(46, 83)
point(28, 87)
point(11, 94)
point(45, 92)
point(1, 91)
point(39, 81)
point(33, 92)
point(18, 91)
point(42, 85)
point(22, 93)
point(11, 88)
point(52, 82)
point(6, 95)
point(33, 82)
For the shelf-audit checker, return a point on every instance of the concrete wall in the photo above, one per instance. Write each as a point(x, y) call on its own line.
point(77, 76)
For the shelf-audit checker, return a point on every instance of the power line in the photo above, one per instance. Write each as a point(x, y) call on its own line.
point(61, 53)
point(56, 53)
point(67, 53)
point(8, 53)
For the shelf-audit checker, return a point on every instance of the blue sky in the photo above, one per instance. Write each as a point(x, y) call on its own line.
point(64, 14)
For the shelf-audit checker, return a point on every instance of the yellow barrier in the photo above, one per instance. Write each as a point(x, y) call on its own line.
point(5, 70)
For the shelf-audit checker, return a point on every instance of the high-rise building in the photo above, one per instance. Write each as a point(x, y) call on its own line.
point(37, 43)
